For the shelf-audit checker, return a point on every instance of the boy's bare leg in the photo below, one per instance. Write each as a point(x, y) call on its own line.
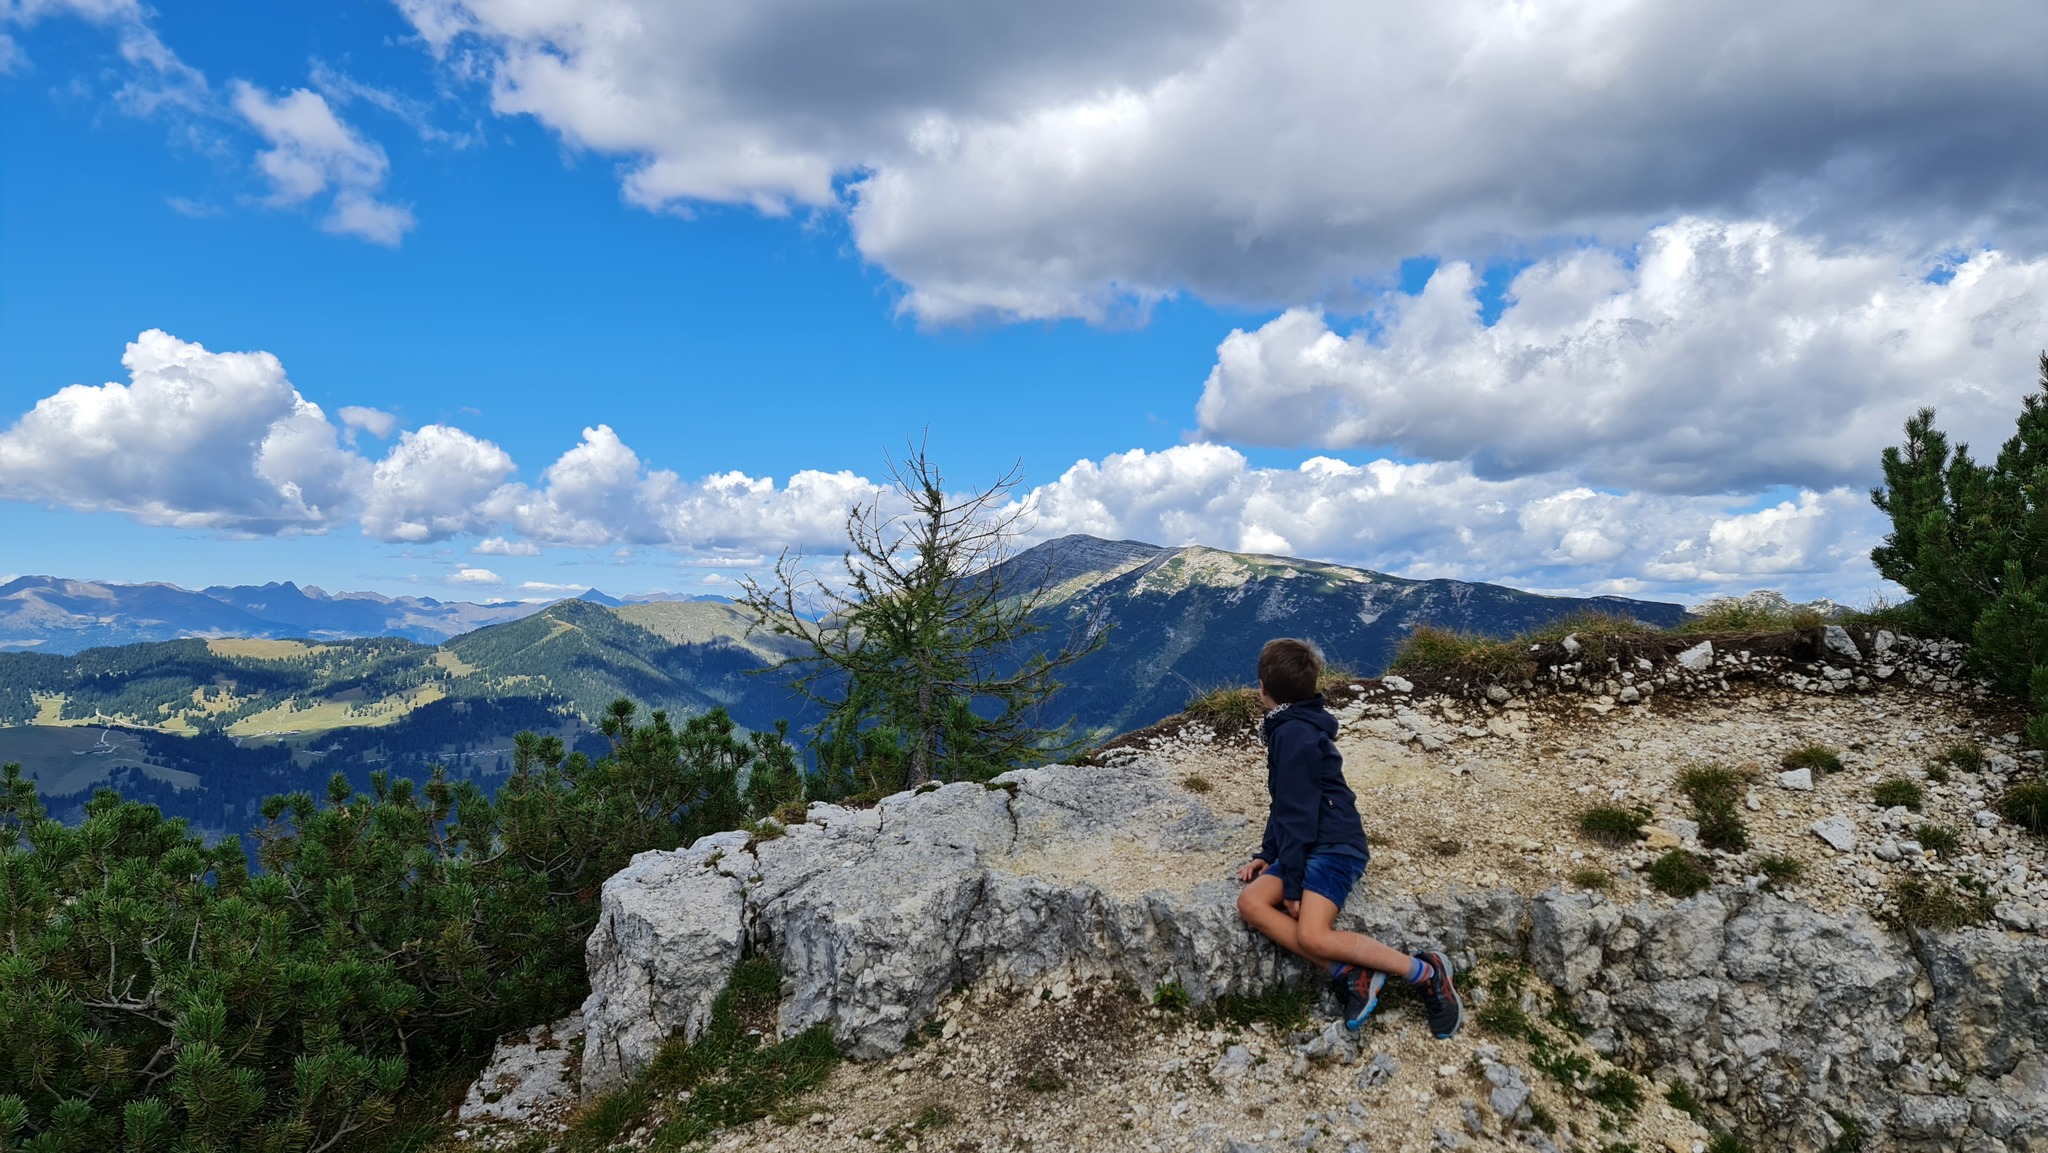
point(1320, 940)
point(1313, 935)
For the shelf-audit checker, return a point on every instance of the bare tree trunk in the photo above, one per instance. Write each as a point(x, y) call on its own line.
point(920, 753)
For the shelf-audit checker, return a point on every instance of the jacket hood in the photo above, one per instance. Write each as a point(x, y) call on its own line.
point(1310, 711)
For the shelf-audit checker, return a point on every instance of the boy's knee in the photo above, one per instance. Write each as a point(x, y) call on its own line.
point(1315, 940)
point(1246, 903)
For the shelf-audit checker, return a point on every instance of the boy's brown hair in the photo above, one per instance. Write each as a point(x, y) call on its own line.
point(1289, 670)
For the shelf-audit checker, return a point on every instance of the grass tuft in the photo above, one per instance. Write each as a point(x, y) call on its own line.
point(1591, 878)
point(1681, 1097)
point(1819, 758)
point(731, 1074)
point(2026, 805)
point(1930, 903)
point(1680, 874)
point(1196, 783)
point(1940, 840)
point(1779, 869)
point(1899, 792)
point(1618, 1090)
point(1228, 712)
point(1613, 825)
point(1968, 756)
point(1716, 794)
point(1044, 1081)
point(1437, 650)
point(1282, 1006)
point(1736, 615)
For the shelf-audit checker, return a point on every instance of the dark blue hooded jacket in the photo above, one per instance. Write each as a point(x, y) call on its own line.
point(1313, 809)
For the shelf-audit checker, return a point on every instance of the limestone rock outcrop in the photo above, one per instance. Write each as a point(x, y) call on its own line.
point(1794, 1025)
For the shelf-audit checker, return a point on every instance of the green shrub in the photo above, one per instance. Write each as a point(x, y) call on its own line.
point(1197, 783)
point(1932, 903)
point(2026, 805)
point(1899, 792)
point(1727, 1143)
point(1819, 758)
point(1937, 771)
point(1680, 874)
point(1613, 825)
point(390, 936)
point(1778, 869)
point(1938, 839)
point(1967, 541)
point(1716, 795)
point(1172, 997)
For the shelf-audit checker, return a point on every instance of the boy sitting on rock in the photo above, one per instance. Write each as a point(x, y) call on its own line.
point(1315, 850)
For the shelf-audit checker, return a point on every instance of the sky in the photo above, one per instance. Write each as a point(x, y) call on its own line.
point(501, 298)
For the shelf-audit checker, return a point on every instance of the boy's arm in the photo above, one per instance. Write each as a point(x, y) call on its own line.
point(1269, 845)
point(1296, 795)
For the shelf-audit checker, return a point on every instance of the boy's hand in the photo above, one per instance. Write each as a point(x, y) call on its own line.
point(1251, 870)
point(1293, 909)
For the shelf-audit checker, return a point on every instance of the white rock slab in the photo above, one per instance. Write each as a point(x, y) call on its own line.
point(1698, 658)
point(1838, 832)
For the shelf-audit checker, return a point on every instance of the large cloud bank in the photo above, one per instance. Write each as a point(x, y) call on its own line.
point(223, 441)
point(1722, 358)
point(1074, 159)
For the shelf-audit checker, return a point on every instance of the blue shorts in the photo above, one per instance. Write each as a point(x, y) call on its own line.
point(1332, 875)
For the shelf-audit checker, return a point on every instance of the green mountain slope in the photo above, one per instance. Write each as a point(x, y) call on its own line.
point(244, 717)
point(1183, 620)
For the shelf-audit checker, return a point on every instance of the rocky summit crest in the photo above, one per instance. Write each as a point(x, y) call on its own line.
point(1054, 958)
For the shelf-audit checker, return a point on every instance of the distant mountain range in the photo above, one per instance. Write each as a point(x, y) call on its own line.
point(55, 615)
point(1182, 620)
point(275, 687)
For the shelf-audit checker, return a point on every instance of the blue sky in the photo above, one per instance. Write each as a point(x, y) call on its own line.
point(774, 245)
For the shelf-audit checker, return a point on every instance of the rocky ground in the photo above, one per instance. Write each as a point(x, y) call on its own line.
point(1471, 792)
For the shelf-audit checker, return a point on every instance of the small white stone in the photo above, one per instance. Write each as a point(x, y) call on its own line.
point(1799, 780)
point(1697, 658)
point(1838, 832)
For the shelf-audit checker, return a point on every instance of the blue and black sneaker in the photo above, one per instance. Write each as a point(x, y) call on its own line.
point(1439, 997)
point(1361, 990)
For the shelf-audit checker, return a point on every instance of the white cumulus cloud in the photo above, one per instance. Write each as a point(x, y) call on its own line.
point(1074, 159)
point(475, 576)
point(1717, 357)
point(1547, 531)
point(196, 438)
point(223, 441)
point(435, 483)
point(312, 153)
point(376, 422)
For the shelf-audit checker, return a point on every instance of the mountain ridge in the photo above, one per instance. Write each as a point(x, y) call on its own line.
point(65, 615)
